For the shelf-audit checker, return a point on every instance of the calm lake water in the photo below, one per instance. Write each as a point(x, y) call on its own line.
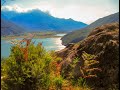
point(48, 43)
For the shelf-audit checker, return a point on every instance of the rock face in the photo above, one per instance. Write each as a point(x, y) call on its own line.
point(103, 42)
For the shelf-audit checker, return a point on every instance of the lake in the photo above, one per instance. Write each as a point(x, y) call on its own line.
point(48, 43)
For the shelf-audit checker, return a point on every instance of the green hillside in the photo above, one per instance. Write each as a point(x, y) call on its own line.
point(79, 35)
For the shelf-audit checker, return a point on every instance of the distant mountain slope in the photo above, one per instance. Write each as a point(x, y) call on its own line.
point(78, 35)
point(8, 14)
point(9, 28)
point(36, 20)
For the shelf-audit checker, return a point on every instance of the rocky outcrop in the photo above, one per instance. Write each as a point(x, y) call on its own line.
point(103, 42)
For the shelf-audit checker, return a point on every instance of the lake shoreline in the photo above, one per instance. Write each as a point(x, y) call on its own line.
point(38, 37)
point(52, 42)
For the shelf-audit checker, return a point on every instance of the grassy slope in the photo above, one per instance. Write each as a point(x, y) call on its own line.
point(104, 43)
point(78, 35)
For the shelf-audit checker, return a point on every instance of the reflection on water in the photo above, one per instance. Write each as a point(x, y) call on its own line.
point(60, 35)
point(58, 42)
point(48, 43)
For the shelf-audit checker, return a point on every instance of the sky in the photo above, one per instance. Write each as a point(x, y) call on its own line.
point(86, 11)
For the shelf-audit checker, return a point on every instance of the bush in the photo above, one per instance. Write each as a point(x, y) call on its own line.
point(33, 74)
point(58, 81)
point(81, 82)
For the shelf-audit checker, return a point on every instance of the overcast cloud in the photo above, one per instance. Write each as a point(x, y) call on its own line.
point(81, 10)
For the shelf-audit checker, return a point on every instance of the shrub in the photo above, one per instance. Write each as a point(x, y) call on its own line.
point(33, 74)
point(89, 68)
point(58, 81)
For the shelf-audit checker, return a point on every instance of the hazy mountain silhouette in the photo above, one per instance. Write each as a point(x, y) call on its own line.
point(36, 20)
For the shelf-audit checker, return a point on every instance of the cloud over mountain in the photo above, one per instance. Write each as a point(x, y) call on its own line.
point(79, 10)
point(37, 20)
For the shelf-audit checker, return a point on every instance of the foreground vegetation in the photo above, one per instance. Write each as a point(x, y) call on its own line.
point(30, 67)
point(36, 69)
point(103, 42)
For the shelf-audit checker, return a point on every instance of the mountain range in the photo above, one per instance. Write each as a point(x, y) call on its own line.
point(10, 28)
point(36, 20)
point(78, 35)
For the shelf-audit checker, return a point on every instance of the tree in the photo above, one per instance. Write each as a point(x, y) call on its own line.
point(36, 73)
